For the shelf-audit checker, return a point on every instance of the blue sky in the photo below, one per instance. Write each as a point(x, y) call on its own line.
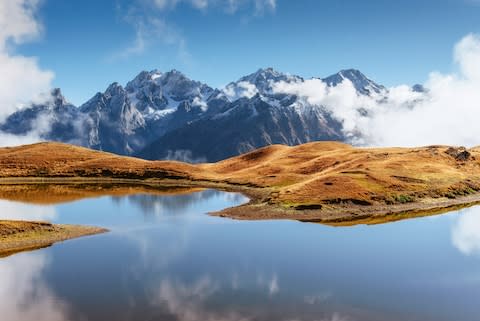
point(89, 44)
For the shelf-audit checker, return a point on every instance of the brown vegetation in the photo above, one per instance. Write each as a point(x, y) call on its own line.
point(324, 181)
point(17, 236)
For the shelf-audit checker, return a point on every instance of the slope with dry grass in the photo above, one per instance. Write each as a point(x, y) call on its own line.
point(323, 181)
point(17, 236)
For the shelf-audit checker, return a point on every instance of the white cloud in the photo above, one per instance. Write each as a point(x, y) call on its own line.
point(18, 24)
point(313, 90)
point(16, 140)
point(40, 126)
point(467, 56)
point(21, 79)
point(240, 90)
point(447, 114)
point(197, 101)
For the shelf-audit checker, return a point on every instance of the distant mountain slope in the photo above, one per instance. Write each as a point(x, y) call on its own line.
point(246, 125)
point(257, 116)
point(167, 115)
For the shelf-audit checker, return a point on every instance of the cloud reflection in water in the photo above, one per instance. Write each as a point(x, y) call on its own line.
point(21, 211)
point(466, 231)
point(24, 294)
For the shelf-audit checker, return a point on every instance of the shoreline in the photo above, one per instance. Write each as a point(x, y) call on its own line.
point(19, 236)
point(260, 205)
point(322, 182)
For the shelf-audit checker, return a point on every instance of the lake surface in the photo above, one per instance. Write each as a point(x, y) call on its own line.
point(164, 259)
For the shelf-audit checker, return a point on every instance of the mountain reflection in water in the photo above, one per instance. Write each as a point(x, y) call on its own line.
point(165, 259)
point(155, 205)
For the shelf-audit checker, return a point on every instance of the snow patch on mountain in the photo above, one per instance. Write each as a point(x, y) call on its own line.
point(157, 94)
point(279, 107)
point(260, 82)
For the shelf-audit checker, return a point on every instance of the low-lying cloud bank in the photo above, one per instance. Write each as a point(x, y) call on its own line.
point(446, 113)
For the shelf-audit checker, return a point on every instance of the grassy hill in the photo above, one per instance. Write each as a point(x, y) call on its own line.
point(327, 182)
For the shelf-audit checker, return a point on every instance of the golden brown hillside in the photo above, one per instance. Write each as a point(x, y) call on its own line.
point(323, 181)
point(17, 236)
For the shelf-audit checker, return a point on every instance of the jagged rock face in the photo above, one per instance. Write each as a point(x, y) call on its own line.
point(120, 120)
point(245, 115)
point(247, 125)
point(155, 94)
point(159, 114)
point(113, 122)
point(146, 93)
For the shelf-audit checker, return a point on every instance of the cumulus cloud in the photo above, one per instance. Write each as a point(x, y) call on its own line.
point(18, 24)
point(447, 113)
point(17, 21)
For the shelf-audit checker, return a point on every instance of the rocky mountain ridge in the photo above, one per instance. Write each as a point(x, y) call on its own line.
point(169, 116)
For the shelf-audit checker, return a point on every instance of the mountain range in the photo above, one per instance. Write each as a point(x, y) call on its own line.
point(169, 116)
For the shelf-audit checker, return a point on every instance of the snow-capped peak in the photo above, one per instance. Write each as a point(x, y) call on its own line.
point(156, 94)
point(263, 78)
point(361, 83)
point(259, 82)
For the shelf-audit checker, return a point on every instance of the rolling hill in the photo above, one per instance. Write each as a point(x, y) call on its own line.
point(327, 182)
